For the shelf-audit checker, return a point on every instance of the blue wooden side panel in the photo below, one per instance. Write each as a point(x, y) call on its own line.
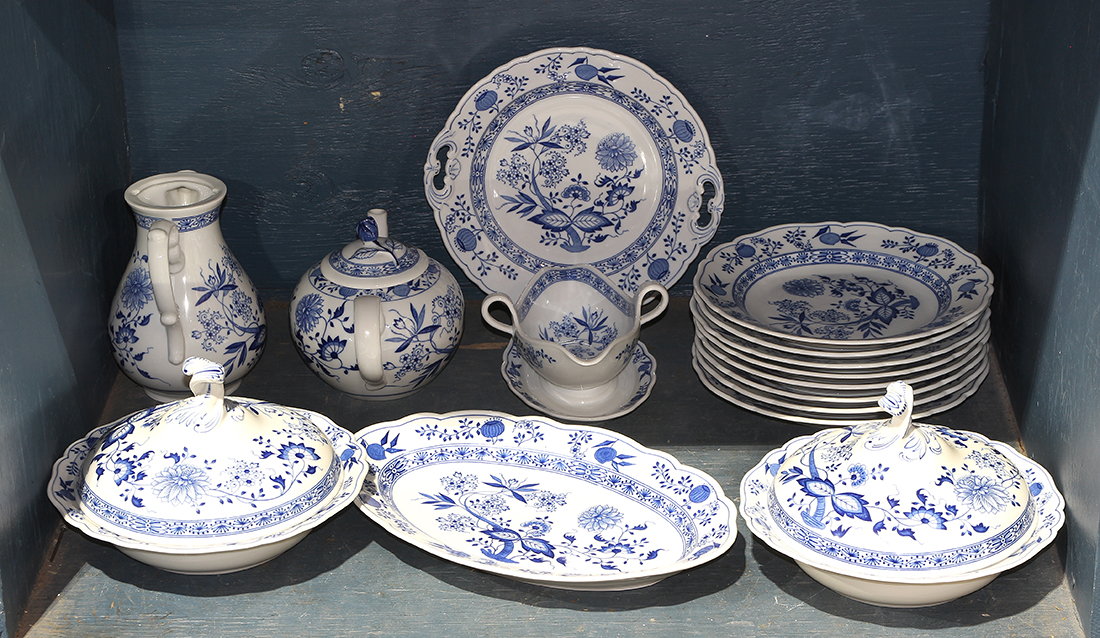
point(65, 236)
point(314, 111)
point(1041, 235)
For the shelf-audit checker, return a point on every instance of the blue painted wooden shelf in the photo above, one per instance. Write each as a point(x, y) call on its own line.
point(351, 578)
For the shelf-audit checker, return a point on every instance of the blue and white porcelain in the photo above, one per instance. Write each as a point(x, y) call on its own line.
point(183, 293)
point(573, 326)
point(377, 319)
point(901, 514)
point(844, 284)
point(573, 155)
point(210, 484)
point(565, 506)
point(612, 400)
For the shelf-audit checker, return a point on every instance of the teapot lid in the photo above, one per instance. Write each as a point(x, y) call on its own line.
point(899, 496)
point(209, 469)
point(373, 260)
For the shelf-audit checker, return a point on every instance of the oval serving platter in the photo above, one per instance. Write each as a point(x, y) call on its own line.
point(563, 506)
point(567, 156)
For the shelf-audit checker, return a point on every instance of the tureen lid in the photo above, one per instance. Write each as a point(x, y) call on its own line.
point(898, 496)
point(208, 468)
point(373, 260)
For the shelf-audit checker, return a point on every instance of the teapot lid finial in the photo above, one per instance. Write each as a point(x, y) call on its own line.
point(367, 230)
point(898, 402)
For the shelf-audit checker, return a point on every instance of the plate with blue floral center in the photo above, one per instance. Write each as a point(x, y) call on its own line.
point(832, 285)
point(573, 155)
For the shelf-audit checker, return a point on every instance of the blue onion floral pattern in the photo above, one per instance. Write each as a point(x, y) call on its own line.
point(515, 181)
point(585, 336)
point(423, 325)
point(179, 493)
point(529, 496)
point(581, 213)
point(843, 282)
point(857, 305)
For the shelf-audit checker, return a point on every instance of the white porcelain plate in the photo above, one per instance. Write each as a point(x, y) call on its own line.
point(568, 156)
point(723, 387)
point(618, 397)
point(571, 507)
point(832, 283)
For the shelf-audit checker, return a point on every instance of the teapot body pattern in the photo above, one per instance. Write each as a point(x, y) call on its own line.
point(183, 293)
point(377, 319)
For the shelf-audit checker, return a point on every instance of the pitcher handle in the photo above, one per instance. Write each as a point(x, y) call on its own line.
point(489, 319)
point(639, 299)
point(165, 258)
point(367, 316)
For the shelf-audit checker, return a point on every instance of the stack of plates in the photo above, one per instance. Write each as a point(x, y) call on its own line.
point(810, 322)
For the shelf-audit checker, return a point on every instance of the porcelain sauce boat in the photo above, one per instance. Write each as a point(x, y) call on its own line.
point(574, 326)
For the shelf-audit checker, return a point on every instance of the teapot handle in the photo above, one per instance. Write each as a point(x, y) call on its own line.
point(639, 299)
point(489, 319)
point(369, 324)
point(166, 258)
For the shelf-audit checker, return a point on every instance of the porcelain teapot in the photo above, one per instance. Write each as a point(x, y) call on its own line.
point(183, 293)
point(377, 319)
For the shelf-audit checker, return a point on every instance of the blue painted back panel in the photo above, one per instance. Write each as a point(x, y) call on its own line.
point(65, 236)
point(312, 112)
point(1040, 229)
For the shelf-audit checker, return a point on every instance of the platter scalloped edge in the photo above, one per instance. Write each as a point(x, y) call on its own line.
point(564, 506)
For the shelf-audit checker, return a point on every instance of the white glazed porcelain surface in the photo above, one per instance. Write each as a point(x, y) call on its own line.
point(806, 406)
point(710, 379)
point(573, 155)
point(178, 479)
point(836, 396)
point(182, 293)
point(928, 505)
point(864, 351)
point(377, 319)
point(831, 282)
point(622, 395)
point(572, 507)
point(574, 327)
point(883, 369)
point(810, 384)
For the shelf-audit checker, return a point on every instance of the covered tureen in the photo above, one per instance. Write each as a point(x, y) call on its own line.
point(377, 319)
point(898, 513)
point(209, 484)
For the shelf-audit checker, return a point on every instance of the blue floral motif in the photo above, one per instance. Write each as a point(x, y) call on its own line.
point(599, 518)
point(234, 314)
point(137, 290)
point(181, 484)
point(308, 312)
point(585, 336)
point(860, 305)
point(571, 219)
point(982, 493)
point(616, 153)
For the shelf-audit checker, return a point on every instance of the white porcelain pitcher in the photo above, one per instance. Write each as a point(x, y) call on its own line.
point(183, 294)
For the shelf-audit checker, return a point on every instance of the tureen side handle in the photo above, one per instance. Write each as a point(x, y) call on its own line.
point(165, 258)
point(369, 324)
point(639, 300)
point(491, 320)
